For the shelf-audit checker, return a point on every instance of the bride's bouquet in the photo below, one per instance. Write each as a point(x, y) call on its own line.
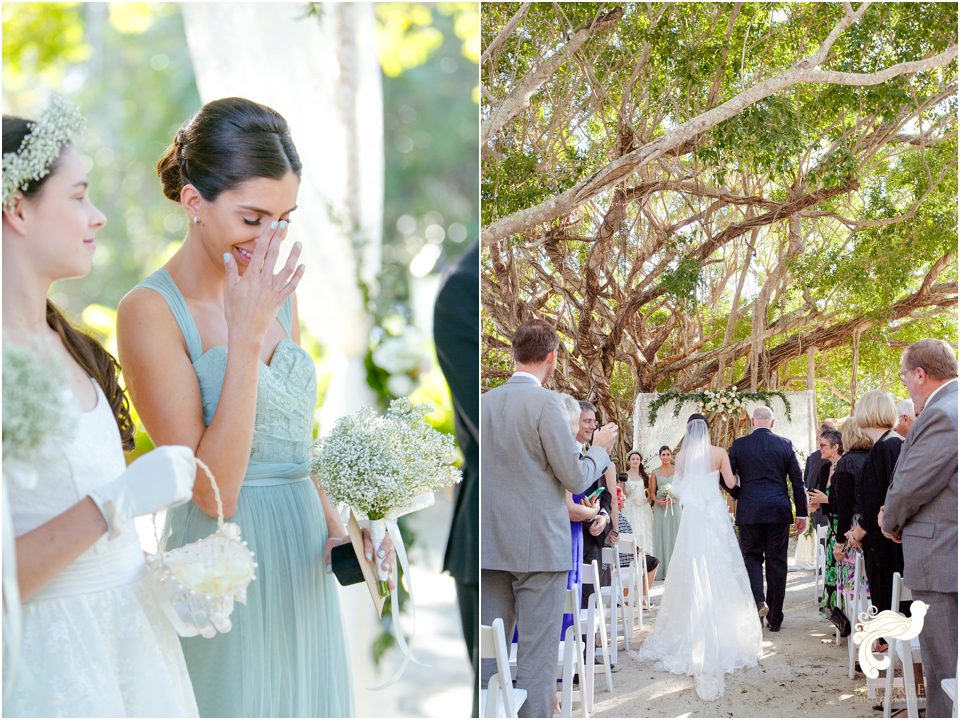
point(385, 466)
point(38, 412)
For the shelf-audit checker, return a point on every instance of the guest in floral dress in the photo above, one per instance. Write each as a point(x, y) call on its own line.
point(825, 498)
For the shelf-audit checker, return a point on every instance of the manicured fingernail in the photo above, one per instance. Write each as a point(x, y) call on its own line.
point(329, 569)
point(283, 224)
point(381, 553)
point(273, 225)
point(298, 245)
point(368, 556)
point(386, 567)
point(226, 257)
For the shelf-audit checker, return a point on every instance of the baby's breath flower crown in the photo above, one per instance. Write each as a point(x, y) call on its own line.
point(41, 148)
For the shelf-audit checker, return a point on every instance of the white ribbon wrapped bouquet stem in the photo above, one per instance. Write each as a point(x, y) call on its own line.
point(383, 467)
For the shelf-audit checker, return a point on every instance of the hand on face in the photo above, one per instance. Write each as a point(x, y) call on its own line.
point(252, 300)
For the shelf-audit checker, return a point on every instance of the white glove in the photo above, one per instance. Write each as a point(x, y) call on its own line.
point(161, 479)
point(192, 614)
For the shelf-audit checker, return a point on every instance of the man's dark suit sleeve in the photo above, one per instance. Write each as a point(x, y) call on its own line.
point(809, 476)
point(796, 481)
point(456, 328)
point(842, 499)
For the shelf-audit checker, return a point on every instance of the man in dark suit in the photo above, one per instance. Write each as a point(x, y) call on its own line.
point(763, 462)
point(920, 509)
point(456, 331)
point(811, 471)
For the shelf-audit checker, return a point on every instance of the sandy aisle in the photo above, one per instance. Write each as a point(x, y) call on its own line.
point(802, 673)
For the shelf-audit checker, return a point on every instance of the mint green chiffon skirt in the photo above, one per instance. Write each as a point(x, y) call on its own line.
point(285, 655)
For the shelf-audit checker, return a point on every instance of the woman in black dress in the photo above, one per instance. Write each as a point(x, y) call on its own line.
point(876, 414)
point(823, 497)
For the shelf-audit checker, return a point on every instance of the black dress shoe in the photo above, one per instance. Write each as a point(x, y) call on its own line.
point(773, 628)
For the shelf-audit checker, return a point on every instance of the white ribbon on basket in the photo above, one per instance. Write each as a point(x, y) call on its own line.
point(389, 524)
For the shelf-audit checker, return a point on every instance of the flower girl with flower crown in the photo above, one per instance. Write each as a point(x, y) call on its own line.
point(92, 640)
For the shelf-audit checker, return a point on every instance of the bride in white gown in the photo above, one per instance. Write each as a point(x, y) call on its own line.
point(708, 622)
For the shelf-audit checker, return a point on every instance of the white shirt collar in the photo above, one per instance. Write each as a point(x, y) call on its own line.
point(521, 373)
point(934, 393)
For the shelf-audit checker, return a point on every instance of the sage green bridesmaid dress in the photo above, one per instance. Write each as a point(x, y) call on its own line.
point(666, 525)
point(286, 655)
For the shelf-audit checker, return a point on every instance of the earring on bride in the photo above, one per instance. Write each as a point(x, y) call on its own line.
point(196, 219)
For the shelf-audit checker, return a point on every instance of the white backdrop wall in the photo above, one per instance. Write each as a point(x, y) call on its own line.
point(668, 430)
point(323, 75)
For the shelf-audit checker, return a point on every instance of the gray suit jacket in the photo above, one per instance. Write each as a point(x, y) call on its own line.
point(922, 498)
point(528, 457)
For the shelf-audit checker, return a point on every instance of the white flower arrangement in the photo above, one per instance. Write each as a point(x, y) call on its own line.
point(669, 496)
point(378, 465)
point(724, 402)
point(405, 353)
point(41, 148)
point(384, 466)
point(38, 408)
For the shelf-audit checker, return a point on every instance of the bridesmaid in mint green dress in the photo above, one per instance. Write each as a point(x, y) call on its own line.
point(666, 515)
point(209, 345)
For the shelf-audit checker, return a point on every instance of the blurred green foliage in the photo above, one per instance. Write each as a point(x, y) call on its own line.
point(128, 67)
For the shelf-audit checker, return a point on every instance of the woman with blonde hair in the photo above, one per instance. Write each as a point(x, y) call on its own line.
point(876, 416)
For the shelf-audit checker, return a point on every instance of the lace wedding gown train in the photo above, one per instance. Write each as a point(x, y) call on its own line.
point(707, 625)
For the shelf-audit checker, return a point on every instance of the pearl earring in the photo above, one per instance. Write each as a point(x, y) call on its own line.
point(196, 219)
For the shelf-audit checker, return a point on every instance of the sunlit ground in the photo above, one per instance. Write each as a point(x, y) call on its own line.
point(802, 672)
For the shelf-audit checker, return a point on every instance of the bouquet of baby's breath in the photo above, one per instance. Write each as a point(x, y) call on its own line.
point(38, 411)
point(384, 466)
point(669, 496)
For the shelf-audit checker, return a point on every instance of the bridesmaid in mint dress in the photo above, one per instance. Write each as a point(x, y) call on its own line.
point(209, 345)
point(666, 513)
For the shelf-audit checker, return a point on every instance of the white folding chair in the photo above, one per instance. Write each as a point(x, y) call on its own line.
point(821, 561)
point(949, 686)
point(501, 698)
point(569, 656)
point(636, 574)
point(906, 652)
point(613, 597)
point(853, 606)
point(592, 619)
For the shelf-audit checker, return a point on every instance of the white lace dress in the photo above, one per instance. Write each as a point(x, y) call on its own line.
point(639, 515)
point(94, 643)
point(708, 623)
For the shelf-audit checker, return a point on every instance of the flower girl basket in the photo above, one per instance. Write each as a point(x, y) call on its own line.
point(198, 583)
